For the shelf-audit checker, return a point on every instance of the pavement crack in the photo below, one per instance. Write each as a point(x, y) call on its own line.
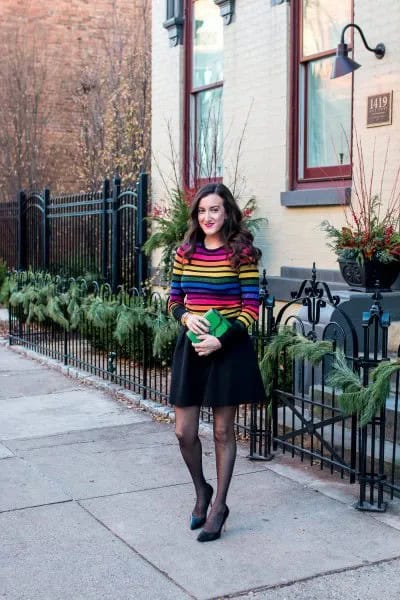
point(139, 554)
point(33, 506)
point(287, 584)
point(150, 489)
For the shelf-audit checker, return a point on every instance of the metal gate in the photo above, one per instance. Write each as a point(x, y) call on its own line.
point(306, 416)
point(100, 233)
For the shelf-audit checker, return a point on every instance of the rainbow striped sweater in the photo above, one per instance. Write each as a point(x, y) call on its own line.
point(207, 280)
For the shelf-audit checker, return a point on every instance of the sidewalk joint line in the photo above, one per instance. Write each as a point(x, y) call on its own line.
point(11, 510)
point(133, 549)
point(150, 489)
point(286, 584)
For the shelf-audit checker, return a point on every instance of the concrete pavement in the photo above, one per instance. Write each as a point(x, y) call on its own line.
point(95, 502)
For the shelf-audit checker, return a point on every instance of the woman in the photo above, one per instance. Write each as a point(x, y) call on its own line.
point(216, 267)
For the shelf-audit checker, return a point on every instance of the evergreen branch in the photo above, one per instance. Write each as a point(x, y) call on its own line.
point(55, 313)
point(125, 323)
point(164, 330)
point(379, 389)
point(314, 352)
point(343, 376)
point(295, 346)
point(357, 399)
point(7, 288)
point(100, 312)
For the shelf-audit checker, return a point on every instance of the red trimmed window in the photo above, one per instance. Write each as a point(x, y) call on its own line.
point(322, 107)
point(203, 92)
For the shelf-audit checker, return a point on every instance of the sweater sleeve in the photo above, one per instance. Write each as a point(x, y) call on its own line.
point(176, 302)
point(249, 289)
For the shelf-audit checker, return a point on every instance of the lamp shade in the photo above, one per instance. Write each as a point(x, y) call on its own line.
point(343, 64)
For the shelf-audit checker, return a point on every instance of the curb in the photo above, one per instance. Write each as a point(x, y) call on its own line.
point(119, 393)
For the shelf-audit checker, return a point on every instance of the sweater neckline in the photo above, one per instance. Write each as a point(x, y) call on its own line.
point(211, 249)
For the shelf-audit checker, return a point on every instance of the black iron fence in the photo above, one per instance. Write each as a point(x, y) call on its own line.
point(9, 233)
point(304, 416)
point(98, 232)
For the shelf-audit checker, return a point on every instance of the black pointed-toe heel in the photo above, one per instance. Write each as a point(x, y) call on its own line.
point(210, 536)
point(197, 522)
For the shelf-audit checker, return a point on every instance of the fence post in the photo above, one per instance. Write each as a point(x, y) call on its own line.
point(381, 321)
point(141, 231)
point(260, 417)
point(21, 232)
point(45, 230)
point(115, 236)
point(104, 230)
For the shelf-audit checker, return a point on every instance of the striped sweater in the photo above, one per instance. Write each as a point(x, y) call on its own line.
point(207, 281)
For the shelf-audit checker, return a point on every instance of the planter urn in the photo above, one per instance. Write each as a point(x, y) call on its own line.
point(364, 277)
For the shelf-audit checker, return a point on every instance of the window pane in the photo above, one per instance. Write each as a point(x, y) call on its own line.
point(207, 43)
point(328, 116)
point(171, 9)
point(323, 21)
point(209, 133)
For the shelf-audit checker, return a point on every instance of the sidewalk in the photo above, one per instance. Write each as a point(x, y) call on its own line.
point(95, 505)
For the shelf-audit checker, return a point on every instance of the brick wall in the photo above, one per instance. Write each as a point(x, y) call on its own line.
point(69, 35)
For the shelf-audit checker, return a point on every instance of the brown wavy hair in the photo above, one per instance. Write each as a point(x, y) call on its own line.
point(237, 239)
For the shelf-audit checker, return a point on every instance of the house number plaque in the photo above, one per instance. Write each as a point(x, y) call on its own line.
point(379, 109)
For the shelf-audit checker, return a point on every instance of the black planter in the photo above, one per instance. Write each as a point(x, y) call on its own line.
point(363, 277)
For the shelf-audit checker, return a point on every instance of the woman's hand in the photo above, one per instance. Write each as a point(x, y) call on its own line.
point(208, 344)
point(197, 324)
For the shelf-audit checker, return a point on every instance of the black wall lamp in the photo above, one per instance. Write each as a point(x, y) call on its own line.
point(343, 64)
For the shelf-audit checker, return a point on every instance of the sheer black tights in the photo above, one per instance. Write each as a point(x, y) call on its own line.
point(225, 456)
point(187, 432)
point(186, 428)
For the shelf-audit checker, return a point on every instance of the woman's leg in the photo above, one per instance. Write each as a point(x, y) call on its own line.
point(225, 455)
point(187, 432)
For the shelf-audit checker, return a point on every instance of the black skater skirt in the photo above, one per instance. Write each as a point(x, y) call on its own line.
point(227, 377)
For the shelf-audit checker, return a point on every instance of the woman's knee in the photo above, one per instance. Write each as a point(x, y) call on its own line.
point(223, 434)
point(186, 437)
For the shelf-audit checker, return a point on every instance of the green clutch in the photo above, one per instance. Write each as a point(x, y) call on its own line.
point(218, 325)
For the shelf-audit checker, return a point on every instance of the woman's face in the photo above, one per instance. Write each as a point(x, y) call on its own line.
point(211, 214)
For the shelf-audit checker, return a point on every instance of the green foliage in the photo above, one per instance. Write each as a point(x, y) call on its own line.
point(101, 312)
point(55, 310)
point(365, 401)
point(125, 324)
point(5, 292)
point(372, 230)
point(164, 329)
point(288, 344)
point(355, 398)
point(171, 224)
point(3, 272)
point(253, 224)
point(130, 320)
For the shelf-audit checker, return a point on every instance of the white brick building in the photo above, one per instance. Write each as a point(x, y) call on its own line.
point(266, 65)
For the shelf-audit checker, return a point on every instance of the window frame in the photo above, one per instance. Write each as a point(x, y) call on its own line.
point(312, 177)
point(190, 177)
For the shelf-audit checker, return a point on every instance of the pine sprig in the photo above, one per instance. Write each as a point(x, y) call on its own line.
point(55, 312)
point(7, 288)
point(125, 323)
point(165, 330)
point(68, 304)
point(365, 401)
point(296, 346)
point(379, 390)
point(100, 312)
point(314, 352)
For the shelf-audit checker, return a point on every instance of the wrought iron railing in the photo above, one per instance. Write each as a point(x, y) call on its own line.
point(97, 232)
point(303, 417)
